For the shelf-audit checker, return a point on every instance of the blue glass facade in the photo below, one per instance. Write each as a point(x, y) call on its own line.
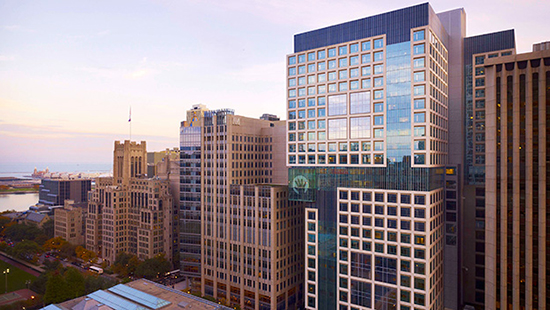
point(396, 25)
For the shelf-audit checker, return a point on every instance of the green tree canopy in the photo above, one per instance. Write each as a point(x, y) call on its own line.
point(75, 283)
point(56, 289)
point(153, 267)
point(26, 250)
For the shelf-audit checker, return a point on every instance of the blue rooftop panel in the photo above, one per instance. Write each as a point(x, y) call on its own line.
point(114, 301)
point(396, 25)
point(138, 296)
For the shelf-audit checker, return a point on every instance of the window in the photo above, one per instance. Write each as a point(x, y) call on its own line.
point(311, 102)
point(311, 68)
point(301, 92)
point(365, 71)
point(419, 145)
point(379, 120)
point(321, 77)
point(301, 80)
point(332, 64)
point(332, 52)
point(342, 50)
point(360, 102)
point(311, 90)
point(419, 117)
point(343, 74)
point(332, 76)
point(419, 131)
point(378, 69)
point(321, 55)
point(360, 127)
point(419, 76)
point(480, 104)
point(378, 56)
point(419, 62)
point(301, 58)
point(311, 56)
point(419, 90)
point(331, 88)
point(365, 46)
point(291, 93)
point(321, 112)
point(301, 114)
point(480, 60)
point(378, 43)
point(353, 85)
point(291, 82)
point(354, 48)
point(480, 71)
point(321, 66)
point(337, 129)
point(480, 93)
point(378, 94)
point(354, 60)
point(301, 69)
point(292, 71)
point(365, 83)
point(342, 62)
point(419, 103)
point(354, 72)
point(365, 58)
point(418, 35)
point(337, 105)
point(480, 82)
point(321, 89)
point(292, 60)
point(419, 49)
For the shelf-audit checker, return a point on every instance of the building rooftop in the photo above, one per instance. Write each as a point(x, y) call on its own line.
point(137, 295)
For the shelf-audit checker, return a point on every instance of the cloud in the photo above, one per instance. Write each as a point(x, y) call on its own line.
point(6, 58)
point(103, 33)
point(11, 27)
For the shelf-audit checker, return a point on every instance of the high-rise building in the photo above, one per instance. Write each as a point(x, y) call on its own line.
point(246, 232)
point(54, 192)
point(130, 212)
point(69, 223)
point(516, 94)
point(367, 146)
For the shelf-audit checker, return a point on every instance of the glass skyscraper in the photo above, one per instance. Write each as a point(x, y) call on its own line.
point(367, 149)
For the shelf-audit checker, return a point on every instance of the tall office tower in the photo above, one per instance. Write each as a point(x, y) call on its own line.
point(220, 150)
point(367, 143)
point(54, 192)
point(517, 158)
point(130, 212)
point(471, 216)
point(190, 197)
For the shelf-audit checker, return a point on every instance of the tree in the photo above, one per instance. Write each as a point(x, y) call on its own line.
point(26, 250)
point(75, 283)
point(94, 283)
point(84, 254)
point(48, 228)
point(153, 267)
point(125, 264)
point(18, 232)
point(67, 250)
point(56, 289)
point(54, 244)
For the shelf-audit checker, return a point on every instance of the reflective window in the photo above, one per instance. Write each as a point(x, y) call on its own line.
point(354, 85)
point(365, 58)
point(366, 146)
point(420, 159)
point(321, 113)
point(354, 48)
point(321, 89)
point(360, 102)
point(292, 104)
point(291, 93)
point(418, 35)
point(301, 69)
point(385, 297)
point(342, 62)
point(301, 80)
point(311, 102)
point(321, 124)
point(321, 78)
point(332, 147)
point(332, 52)
point(354, 72)
point(419, 62)
point(480, 60)
point(419, 90)
point(360, 127)
point(291, 82)
point(321, 54)
point(419, 145)
point(419, 131)
point(321, 100)
point(378, 56)
point(311, 56)
point(365, 83)
point(378, 69)
point(419, 49)
point(292, 71)
point(343, 86)
point(292, 60)
point(378, 81)
point(419, 117)
point(291, 125)
point(331, 88)
point(337, 105)
point(321, 66)
point(419, 76)
point(342, 50)
point(311, 113)
point(301, 114)
point(366, 71)
point(311, 90)
point(301, 58)
point(337, 129)
point(354, 60)
point(379, 120)
point(379, 133)
point(343, 74)
point(332, 76)
point(311, 79)
point(332, 64)
point(291, 137)
point(378, 94)
point(378, 107)
point(378, 146)
point(301, 125)
point(292, 148)
point(301, 91)
point(378, 43)
point(365, 46)
point(311, 68)
point(480, 82)
point(480, 71)
point(385, 270)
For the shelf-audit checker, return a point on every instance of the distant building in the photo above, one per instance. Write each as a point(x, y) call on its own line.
point(130, 212)
point(68, 223)
point(28, 218)
point(140, 294)
point(54, 192)
point(154, 158)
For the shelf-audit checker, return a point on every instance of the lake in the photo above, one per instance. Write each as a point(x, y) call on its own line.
point(19, 202)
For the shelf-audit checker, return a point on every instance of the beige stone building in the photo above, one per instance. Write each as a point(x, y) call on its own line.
point(130, 212)
point(251, 235)
point(517, 180)
point(68, 223)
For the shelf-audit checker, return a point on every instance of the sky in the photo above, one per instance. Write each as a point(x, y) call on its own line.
point(71, 70)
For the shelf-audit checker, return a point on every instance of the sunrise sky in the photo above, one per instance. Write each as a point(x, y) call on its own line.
point(70, 70)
